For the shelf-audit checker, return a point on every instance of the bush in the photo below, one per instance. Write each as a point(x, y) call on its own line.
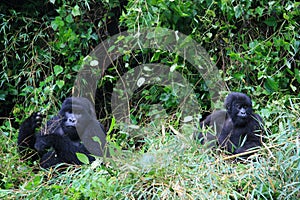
point(255, 45)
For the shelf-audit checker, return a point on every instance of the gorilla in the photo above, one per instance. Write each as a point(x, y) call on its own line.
point(64, 135)
point(237, 130)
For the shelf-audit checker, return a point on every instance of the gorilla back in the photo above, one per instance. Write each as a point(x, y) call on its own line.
point(70, 132)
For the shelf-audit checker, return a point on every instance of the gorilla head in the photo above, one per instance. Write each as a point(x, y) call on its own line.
point(77, 120)
point(239, 108)
point(75, 115)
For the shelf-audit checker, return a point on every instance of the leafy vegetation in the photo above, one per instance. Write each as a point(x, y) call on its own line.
point(255, 45)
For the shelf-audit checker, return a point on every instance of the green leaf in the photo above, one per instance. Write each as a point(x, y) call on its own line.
point(239, 75)
point(112, 125)
point(76, 11)
point(259, 11)
point(58, 69)
point(60, 83)
point(238, 11)
point(69, 19)
point(58, 22)
point(271, 85)
point(83, 158)
point(271, 21)
point(34, 183)
point(96, 139)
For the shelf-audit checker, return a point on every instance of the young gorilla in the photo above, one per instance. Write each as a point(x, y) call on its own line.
point(237, 129)
point(75, 125)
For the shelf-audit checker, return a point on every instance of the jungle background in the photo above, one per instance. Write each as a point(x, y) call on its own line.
point(255, 46)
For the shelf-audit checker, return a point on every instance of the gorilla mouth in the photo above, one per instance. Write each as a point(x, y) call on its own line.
point(70, 127)
point(243, 119)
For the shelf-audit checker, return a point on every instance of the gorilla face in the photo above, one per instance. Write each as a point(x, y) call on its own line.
point(71, 119)
point(240, 113)
point(241, 110)
point(70, 123)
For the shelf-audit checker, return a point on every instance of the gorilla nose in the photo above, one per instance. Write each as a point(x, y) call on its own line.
point(72, 120)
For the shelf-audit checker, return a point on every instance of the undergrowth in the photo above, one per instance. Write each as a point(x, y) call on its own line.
point(169, 165)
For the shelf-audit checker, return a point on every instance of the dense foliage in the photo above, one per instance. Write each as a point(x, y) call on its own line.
point(255, 46)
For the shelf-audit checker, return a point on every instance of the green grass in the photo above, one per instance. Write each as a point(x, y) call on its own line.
point(173, 167)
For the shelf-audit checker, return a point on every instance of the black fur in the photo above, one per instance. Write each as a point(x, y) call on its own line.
point(237, 129)
point(63, 136)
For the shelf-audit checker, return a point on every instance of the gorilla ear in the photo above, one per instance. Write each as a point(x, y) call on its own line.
point(65, 106)
point(91, 108)
point(228, 101)
point(248, 100)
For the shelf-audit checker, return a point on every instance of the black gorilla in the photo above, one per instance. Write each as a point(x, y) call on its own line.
point(237, 129)
point(75, 125)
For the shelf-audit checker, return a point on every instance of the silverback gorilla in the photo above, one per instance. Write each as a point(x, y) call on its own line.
point(63, 136)
point(238, 129)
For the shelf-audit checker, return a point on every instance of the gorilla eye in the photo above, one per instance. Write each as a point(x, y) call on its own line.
point(238, 106)
point(76, 112)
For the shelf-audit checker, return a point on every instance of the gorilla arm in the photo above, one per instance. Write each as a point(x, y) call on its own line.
point(254, 135)
point(94, 139)
point(27, 138)
point(65, 148)
point(214, 124)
